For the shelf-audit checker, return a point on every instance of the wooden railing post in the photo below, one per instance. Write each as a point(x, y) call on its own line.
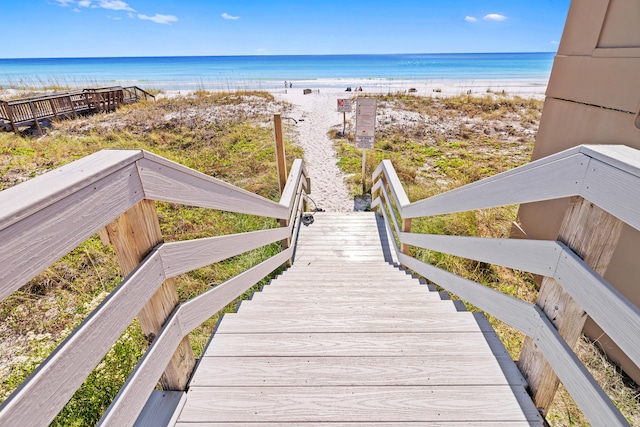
point(11, 118)
point(281, 161)
point(35, 118)
point(133, 235)
point(593, 235)
point(406, 227)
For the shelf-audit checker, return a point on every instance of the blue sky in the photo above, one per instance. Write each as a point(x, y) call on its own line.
point(89, 28)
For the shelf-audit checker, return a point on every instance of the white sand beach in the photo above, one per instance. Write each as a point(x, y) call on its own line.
point(316, 113)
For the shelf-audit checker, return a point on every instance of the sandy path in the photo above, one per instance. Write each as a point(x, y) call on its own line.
point(316, 114)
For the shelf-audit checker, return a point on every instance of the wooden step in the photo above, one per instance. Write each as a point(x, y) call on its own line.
point(334, 309)
point(239, 323)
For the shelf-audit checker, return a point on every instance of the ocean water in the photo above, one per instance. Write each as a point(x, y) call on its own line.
point(270, 72)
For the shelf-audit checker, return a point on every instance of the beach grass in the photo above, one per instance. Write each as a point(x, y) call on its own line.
point(435, 144)
point(226, 135)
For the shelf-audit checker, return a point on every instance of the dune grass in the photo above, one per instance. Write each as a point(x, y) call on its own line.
point(225, 135)
point(438, 144)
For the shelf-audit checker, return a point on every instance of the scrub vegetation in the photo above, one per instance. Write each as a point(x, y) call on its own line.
point(438, 144)
point(435, 144)
point(226, 135)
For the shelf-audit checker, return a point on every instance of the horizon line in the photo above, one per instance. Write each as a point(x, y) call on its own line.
point(275, 55)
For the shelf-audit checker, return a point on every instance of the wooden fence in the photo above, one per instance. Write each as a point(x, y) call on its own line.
point(111, 192)
point(601, 179)
point(31, 111)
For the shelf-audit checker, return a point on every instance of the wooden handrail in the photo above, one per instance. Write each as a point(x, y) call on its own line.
point(50, 215)
point(606, 175)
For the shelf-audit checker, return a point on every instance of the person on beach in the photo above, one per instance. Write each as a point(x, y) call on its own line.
point(286, 84)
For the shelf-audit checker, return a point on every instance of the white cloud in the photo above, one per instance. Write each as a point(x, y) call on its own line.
point(494, 17)
point(75, 9)
point(470, 19)
point(159, 19)
point(84, 3)
point(227, 16)
point(114, 5)
point(553, 42)
point(64, 3)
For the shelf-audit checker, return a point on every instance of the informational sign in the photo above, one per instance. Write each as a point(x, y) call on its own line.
point(344, 105)
point(365, 122)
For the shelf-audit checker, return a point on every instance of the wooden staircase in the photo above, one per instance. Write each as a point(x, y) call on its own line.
point(346, 337)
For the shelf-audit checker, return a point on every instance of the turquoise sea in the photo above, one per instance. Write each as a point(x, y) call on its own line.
point(270, 72)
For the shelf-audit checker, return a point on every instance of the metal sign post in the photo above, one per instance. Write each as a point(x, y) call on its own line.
point(344, 107)
point(365, 130)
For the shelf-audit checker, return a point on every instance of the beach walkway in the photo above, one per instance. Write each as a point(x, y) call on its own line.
point(32, 111)
point(345, 337)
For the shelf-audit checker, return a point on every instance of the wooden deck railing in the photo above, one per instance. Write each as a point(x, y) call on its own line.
point(43, 219)
point(31, 111)
point(606, 176)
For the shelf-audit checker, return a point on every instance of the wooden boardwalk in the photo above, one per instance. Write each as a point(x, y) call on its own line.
point(345, 338)
point(32, 111)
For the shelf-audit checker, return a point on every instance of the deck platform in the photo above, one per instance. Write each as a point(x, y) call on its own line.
point(347, 338)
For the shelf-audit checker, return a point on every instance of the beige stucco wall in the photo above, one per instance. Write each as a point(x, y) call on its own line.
point(593, 97)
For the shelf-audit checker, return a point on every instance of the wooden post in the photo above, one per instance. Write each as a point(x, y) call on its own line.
point(593, 235)
point(73, 108)
point(35, 118)
point(281, 161)
point(133, 235)
point(406, 227)
point(53, 108)
point(364, 170)
point(344, 122)
point(11, 119)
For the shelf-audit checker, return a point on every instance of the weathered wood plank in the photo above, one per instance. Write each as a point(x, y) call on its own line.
point(195, 311)
point(534, 256)
point(355, 279)
point(333, 309)
point(517, 313)
point(364, 404)
point(49, 388)
point(347, 322)
point(592, 233)
point(606, 306)
point(621, 157)
point(360, 298)
point(133, 235)
point(459, 369)
point(181, 257)
point(31, 196)
point(33, 244)
point(399, 196)
point(375, 424)
point(189, 315)
point(613, 190)
point(587, 393)
point(130, 400)
point(171, 182)
point(413, 292)
point(290, 190)
point(346, 344)
point(346, 258)
point(544, 179)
